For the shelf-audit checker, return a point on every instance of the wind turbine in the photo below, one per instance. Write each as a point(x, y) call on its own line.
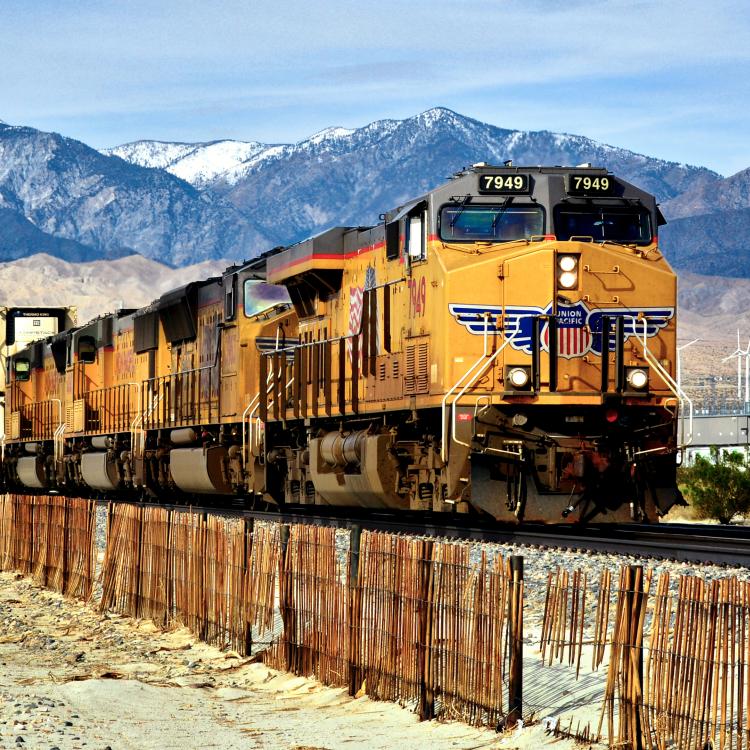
point(679, 360)
point(746, 355)
point(738, 353)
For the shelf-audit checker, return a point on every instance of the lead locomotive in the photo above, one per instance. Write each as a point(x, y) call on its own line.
point(504, 344)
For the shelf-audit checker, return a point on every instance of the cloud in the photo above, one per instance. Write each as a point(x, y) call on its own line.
point(615, 69)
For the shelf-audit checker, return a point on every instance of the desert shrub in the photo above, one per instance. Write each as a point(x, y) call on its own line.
point(718, 486)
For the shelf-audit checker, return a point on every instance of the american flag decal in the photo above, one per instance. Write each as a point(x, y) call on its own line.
point(356, 295)
point(571, 342)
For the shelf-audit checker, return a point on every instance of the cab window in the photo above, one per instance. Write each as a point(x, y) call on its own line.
point(415, 237)
point(602, 223)
point(22, 369)
point(259, 296)
point(87, 349)
point(487, 223)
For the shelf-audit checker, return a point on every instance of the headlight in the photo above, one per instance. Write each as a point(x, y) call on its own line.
point(518, 377)
point(637, 378)
point(567, 262)
point(568, 279)
point(567, 271)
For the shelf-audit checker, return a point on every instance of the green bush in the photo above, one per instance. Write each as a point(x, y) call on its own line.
point(719, 486)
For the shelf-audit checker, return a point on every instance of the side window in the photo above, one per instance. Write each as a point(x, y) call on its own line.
point(415, 237)
point(230, 282)
point(22, 369)
point(259, 296)
point(87, 349)
point(391, 240)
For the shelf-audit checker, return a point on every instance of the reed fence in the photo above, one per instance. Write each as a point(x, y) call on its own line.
point(436, 626)
point(415, 621)
point(212, 574)
point(51, 538)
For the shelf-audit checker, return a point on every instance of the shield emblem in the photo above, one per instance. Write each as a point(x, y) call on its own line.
point(573, 335)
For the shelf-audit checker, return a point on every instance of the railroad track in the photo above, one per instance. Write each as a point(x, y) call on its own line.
point(686, 542)
point(722, 545)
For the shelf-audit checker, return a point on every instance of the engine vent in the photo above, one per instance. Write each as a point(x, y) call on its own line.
point(416, 378)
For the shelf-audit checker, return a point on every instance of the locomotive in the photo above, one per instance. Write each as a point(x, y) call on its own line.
point(503, 345)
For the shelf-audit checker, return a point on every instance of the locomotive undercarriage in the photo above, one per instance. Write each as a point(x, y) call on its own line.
point(591, 465)
point(547, 464)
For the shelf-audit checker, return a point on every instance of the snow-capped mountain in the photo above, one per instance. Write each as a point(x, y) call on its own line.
point(63, 197)
point(196, 163)
point(184, 202)
point(229, 162)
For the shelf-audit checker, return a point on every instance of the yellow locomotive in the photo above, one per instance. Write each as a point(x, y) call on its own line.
point(504, 344)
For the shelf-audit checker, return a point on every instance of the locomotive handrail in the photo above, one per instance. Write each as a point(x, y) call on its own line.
point(469, 384)
point(682, 397)
point(332, 339)
point(458, 384)
point(58, 446)
point(252, 408)
point(135, 434)
point(143, 413)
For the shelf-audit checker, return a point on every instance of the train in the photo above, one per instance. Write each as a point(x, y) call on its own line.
point(503, 346)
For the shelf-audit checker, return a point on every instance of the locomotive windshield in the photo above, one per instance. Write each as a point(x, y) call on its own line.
point(483, 223)
point(619, 224)
point(259, 296)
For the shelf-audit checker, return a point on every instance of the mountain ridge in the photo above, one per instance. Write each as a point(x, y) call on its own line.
point(180, 202)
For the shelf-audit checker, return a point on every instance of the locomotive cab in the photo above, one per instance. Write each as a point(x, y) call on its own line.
point(504, 343)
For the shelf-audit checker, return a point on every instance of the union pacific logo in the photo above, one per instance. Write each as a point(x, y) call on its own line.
point(579, 329)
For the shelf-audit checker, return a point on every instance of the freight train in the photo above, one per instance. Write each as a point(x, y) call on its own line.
point(503, 345)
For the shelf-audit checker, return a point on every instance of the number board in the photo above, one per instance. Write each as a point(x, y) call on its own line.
point(504, 184)
point(578, 184)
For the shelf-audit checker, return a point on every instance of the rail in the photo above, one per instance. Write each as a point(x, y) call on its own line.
point(108, 410)
point(672, 385)
point(189, 396)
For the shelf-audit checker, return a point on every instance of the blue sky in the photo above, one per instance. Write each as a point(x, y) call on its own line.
point(669, 79)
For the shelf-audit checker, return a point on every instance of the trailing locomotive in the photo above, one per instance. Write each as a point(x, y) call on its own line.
point(504, 344)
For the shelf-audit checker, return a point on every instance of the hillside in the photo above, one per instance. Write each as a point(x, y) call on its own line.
point(95, 287)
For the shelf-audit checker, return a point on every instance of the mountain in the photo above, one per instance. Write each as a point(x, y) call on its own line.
point(108, 207)
point(728, 194)
point(95, 287)
point(714, 244)
point(350, 176)
point(183, 202)
point(18, 237)
point(196, 163)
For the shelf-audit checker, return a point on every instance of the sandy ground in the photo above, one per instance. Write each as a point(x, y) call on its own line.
point(71, 677)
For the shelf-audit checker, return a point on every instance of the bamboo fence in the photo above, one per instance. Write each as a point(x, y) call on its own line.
point(51, 538)
point(313, 600)
point(211, 574)
point(433, 625)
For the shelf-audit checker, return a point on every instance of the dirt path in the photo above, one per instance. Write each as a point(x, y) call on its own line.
point(71, 677)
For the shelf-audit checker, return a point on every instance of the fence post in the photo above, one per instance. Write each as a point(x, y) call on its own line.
point(66, 546)
point(515, 623)
point(633, 688)
point(424, 652)
point(285, 604)
point(246, 559)
point(355, 609)
point(138, 563)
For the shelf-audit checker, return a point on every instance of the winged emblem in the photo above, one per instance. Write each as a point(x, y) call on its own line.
point(477, 318)
point(579, 329)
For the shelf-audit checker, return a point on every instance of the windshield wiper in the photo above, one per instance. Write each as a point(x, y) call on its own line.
point(500, 213)
point(466, 199)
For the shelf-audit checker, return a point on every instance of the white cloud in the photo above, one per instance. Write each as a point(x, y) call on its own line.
point(614, 69)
